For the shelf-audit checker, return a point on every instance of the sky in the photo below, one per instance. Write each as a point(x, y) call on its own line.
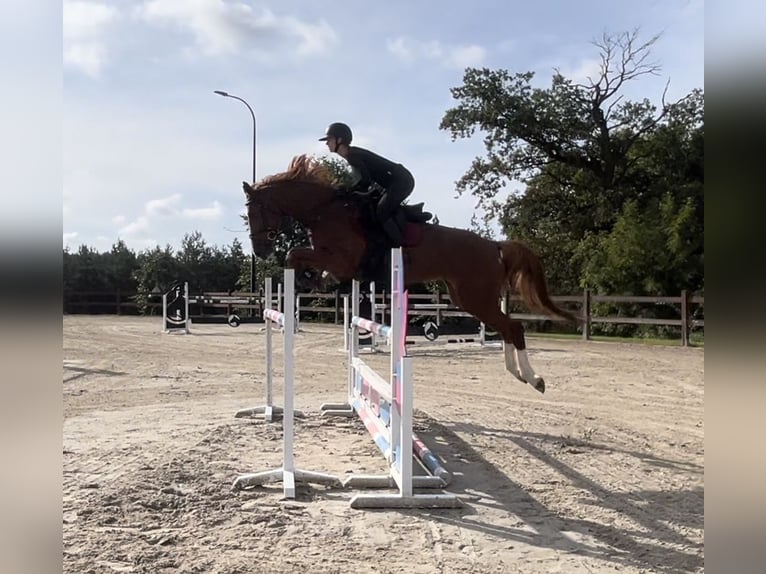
point(150, 153)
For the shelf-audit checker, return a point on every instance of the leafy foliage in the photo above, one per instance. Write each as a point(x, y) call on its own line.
point(342, 173)
point(613, 196)
point(156, 270)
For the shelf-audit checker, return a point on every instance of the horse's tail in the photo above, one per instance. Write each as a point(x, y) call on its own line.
point(524, 272)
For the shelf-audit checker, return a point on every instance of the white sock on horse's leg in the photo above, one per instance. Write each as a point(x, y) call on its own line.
point(510, 361)
point(527, 372)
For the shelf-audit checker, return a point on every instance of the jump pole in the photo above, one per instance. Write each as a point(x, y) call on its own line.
point(288, 474)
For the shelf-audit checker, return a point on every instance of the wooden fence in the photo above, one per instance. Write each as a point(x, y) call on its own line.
point(686, 307)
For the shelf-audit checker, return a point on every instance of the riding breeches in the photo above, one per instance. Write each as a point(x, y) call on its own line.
point(400, 187)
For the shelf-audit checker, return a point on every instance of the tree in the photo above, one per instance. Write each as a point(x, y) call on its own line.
point(194, 259)
point(85, 270)
point(647, 252)
point(121, 267)
point(158, 270)
point(588, 128)
point(583, 151)
point(343, 175)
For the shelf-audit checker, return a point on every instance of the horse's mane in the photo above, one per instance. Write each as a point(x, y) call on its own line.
point(302, 168)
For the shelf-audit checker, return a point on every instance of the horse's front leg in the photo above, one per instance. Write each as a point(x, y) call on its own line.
point(304, 258)
point(300, 259)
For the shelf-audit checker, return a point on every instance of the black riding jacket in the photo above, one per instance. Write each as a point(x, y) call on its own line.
point(372, 168)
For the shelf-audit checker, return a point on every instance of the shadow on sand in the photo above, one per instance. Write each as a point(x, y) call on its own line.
point(651, 544)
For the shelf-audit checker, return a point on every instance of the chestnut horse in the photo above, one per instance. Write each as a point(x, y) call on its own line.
point(477, 271)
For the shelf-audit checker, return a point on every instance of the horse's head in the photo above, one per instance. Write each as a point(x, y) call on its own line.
point(270, 201)
point(263, 220)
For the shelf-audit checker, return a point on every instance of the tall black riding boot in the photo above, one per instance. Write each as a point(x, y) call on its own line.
point(393, 232)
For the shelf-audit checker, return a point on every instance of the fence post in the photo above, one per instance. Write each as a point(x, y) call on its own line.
point(685, 318)
point(586, 315)
point(337, 306)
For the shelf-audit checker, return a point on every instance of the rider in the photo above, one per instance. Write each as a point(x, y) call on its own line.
point(375, 171)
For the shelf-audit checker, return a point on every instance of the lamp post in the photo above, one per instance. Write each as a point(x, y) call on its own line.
point(252, 114)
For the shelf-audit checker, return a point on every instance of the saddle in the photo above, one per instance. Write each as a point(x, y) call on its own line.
point(405, 213)
point(413, 213)
point(409, 218)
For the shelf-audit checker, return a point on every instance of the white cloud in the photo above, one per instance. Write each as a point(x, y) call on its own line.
point(156, 214)
point(136, 227)
point(226, 28)
point(465, 56)
point(400, 48)
point(83, 19)
point(205, 213)
point(85, 26)
point(164, 207)
point(315, 38)
point(584, 71)
point(70, 239)
point(459, 56)
point(89, 57)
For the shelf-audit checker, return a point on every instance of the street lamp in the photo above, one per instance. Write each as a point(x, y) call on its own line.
point(252, 114)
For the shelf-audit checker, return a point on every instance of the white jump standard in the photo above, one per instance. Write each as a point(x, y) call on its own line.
point(268, 411)
point(385, 407)
point(288, 474)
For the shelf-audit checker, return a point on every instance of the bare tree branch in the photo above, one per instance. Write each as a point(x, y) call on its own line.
point(612, 105)
point(631, 61)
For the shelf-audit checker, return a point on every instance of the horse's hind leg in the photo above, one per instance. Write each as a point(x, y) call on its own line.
point(485, 308)
point(514, 347)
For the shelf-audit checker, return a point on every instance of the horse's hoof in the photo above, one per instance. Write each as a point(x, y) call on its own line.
point(539, 384)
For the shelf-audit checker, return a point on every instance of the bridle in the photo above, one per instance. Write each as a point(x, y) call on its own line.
point(271, 233)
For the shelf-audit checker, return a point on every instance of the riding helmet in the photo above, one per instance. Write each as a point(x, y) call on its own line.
point(338, 130)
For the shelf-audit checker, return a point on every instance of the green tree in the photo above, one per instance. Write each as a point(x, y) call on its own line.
point(158, 271)
point(85, 270)
point(342, 174)
point(223, 271)
point(194, 259)
point(122, 264)
point(588, 128)
point(647, 252)
point(583, 151)
point(236, 271)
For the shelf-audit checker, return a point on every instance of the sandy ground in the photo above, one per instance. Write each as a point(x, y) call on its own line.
point(605, 472)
